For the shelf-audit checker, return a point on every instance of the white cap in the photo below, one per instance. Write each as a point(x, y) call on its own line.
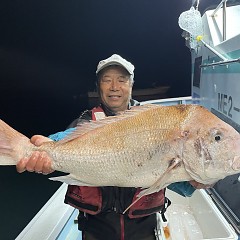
point(115, 60)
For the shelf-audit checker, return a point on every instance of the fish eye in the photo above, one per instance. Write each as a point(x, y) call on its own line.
point(216, 134)
point(217, 138)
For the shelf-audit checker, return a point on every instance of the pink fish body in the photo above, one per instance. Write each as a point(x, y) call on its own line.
point(150, 146)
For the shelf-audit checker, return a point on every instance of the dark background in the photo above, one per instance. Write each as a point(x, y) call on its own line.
point(49, 50)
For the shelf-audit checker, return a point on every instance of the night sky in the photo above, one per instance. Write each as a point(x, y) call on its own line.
point(49, 51)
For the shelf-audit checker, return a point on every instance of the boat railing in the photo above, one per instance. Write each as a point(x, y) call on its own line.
point(222, 4)
point(170, 101)
point(221, 63)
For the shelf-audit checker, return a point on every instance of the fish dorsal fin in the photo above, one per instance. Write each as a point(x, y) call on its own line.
point(88, 126)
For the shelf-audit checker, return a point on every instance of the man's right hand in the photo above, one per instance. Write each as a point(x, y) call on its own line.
point(38, 162)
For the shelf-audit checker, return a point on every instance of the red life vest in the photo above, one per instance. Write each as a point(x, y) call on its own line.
point(93, 200)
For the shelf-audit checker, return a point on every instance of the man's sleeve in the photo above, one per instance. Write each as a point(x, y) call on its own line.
point(60, 135)
point(183, 188)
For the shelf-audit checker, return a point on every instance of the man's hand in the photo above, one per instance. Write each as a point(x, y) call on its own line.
point(38, 162)
point(198, 185)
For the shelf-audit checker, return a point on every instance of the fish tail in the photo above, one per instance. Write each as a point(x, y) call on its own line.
point(12, 144)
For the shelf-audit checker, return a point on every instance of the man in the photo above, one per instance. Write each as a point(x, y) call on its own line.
point(101, 208)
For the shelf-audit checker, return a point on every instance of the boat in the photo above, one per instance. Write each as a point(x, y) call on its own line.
point(214, 42)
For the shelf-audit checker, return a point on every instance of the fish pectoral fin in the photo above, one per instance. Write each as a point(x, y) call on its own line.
point(70, 179)
point(159, 184)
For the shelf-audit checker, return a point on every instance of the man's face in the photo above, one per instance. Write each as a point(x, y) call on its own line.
point(115, 88)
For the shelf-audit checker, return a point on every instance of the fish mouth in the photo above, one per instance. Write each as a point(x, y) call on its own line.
point(236, 163)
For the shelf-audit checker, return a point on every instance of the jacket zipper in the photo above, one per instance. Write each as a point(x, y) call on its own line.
point(115, 204)
point(122, 227)
point(116, 208)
